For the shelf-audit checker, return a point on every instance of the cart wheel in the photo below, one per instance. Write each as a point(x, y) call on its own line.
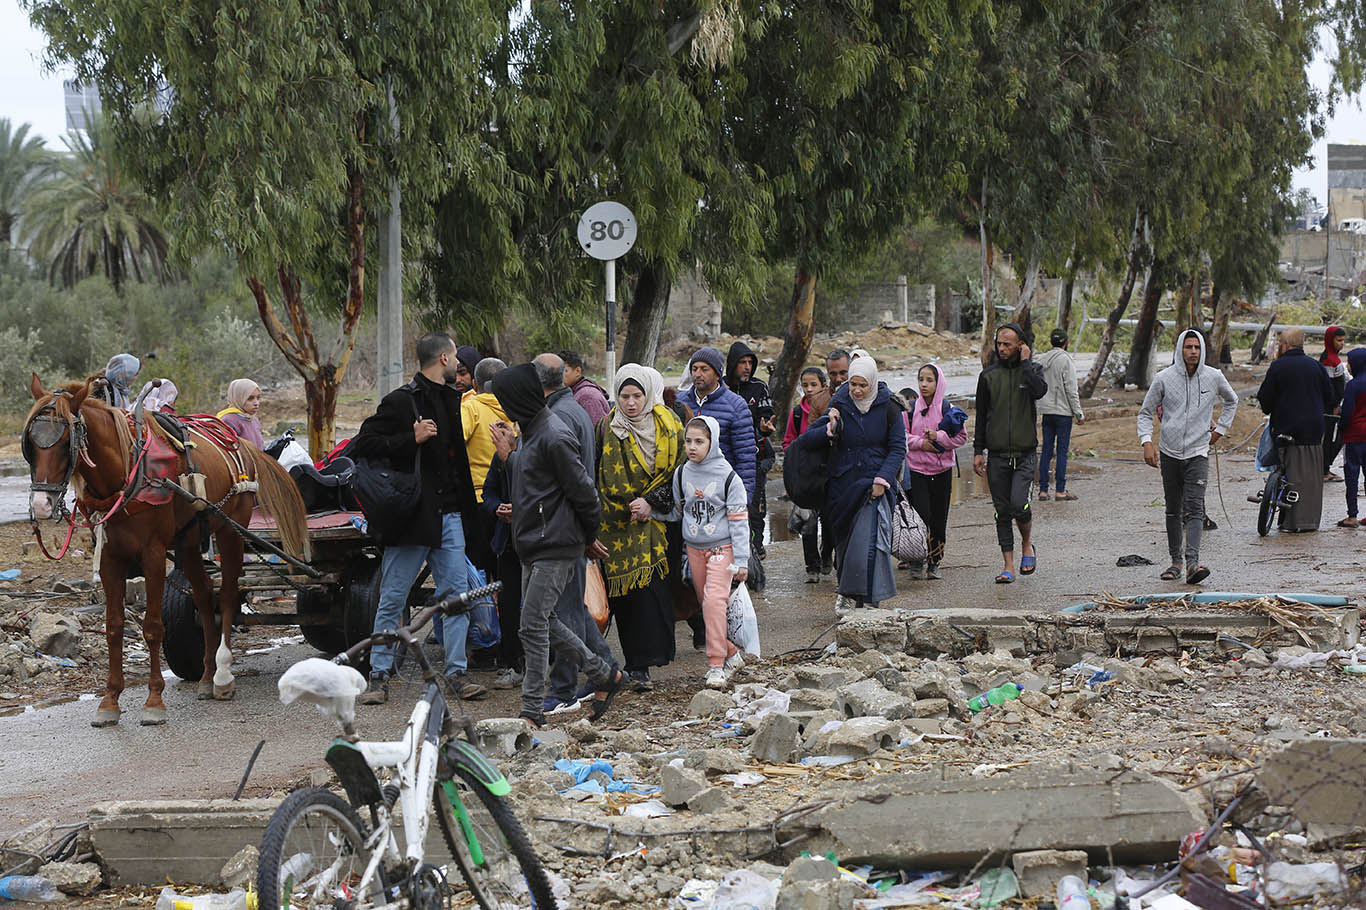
point(360, 593)
point(183, 637)
point(329, 638)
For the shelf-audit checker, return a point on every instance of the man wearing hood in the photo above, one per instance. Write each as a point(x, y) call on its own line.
point(555, 521)
point(466, 359)
point(419, 422)
point(1186, 392)
point(590, 396)
point(741, 364)
point(1006, 392)
point(1336, 368)
point(1297, 394)
point(709, 397)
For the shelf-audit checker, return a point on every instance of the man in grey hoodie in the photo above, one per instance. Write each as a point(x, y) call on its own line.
point(1183, 397)
point(1059, 405)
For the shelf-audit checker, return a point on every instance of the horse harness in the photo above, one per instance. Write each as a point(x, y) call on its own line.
point(45, 430)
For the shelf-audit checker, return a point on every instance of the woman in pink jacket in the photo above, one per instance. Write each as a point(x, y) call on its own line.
point(930, 458)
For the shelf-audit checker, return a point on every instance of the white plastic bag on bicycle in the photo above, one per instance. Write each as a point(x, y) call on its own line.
point(742, 626)
point(332, 687)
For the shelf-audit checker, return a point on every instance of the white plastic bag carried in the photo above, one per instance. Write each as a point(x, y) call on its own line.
point(332, 687)
point(742, 626)
point(292, 455)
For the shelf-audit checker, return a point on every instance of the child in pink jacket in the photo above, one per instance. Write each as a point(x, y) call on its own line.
point(930, 460)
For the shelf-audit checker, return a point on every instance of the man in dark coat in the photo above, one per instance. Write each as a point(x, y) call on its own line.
point(423, 418)
point(555, 521)
point(1006, 414)
point(741, 364)
point(1297, 394)
point(709, 397)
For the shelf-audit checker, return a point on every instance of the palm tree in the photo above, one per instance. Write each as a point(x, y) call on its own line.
point(22, 160)
point(92, 219)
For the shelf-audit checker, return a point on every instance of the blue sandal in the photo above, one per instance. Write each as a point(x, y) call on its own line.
point(1005, 578)
point(1029, 563)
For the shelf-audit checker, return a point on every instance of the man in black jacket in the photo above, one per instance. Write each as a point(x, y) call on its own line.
point(422, 418)
point(1297, 394)
point(1007, 391)
point(555, 520)
point(741, 365)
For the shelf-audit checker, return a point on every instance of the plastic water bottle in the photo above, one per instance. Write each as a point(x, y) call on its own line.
point(233, 900)
point(997, 696)
point(1072, 894)
point(28, 888)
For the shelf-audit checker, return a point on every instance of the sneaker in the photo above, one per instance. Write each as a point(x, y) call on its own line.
point(640, 680)
point(827, 567)
point(376, 691)
point(813, 577)
point(932, 571)
point(554, 706)
point(465, 688)
point(507, 678)
point(843, 605)
point(716, 678)
point(733, 664)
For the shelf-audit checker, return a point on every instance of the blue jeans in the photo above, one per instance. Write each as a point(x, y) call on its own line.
point(399, 570)
point(570, 608)
point(1056, 428)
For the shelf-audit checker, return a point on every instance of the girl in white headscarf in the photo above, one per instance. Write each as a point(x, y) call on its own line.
point(244, 406)
point(868, 436)
point(640, 442)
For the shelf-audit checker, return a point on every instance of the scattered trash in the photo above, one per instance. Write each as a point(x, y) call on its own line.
point(754, 702)
point(1289, 881)
point(604, 782)
point(1071, 894)
point(696, 893)
point(650, 808)
point(744, 889)
point(743, 779)
point(33, 888)
point(997, 696)
point(828, 761)
point(1131, 560)
point(233, 900)
point(999, 885)
point(9, 575)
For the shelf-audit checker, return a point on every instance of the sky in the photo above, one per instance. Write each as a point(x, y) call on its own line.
point(28, 95)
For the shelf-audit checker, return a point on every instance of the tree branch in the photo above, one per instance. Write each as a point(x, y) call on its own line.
point(276, 329)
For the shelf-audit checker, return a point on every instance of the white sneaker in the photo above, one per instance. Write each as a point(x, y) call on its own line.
point(733, 664)
point(716, 678)
point(507, 678)
point(842, 605)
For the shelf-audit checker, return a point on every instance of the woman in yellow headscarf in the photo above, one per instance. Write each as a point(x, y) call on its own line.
point(640, 443)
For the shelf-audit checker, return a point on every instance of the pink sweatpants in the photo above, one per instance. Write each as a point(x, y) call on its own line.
point(711, 579)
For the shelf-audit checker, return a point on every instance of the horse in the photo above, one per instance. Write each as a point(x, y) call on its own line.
point(71, 438)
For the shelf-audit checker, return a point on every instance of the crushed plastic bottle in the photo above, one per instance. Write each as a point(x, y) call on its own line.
point(997, 696)
point(233, 900)
point(33, 888)
point(1072, 894)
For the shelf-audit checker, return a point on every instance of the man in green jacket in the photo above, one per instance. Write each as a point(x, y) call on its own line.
point(1006, 392)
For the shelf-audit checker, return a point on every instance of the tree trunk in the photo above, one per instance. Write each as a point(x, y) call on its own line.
point(988, 262)
point(1223, 306)
point(6, 228)
point(1140, 352)
point(1126, 290)
point(645, 322)
point(1065, 299)
point(1022, 315)
point(298, 342)
point(796, 340)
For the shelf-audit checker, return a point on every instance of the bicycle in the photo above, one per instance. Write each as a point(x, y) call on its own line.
point(318, 852)
point(1279, 493)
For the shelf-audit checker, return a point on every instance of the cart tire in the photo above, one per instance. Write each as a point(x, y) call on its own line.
point(183, 637)
point(329, 638)
point(360, 593)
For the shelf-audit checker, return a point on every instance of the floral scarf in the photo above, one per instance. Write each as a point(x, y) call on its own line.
point(637, 552)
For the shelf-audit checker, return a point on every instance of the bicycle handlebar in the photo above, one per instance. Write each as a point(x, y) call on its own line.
point(451, 606)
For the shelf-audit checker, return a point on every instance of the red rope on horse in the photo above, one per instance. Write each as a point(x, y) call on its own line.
point(215, 430)
point(71, 524)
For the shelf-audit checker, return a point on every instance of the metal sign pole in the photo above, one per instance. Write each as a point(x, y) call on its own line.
point(610, 267)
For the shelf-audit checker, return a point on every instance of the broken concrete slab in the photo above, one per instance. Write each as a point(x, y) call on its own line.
point(872, 630)
point(810, 700)
point(869, 698)
point(1038, 871)
point(864, 736)
point(709, 702)
point(678, 785)
point(502, 736)
point(73, 878)
point(711, 799)
point(144, 843)
point(1323, 781)
point(55, 634)
point(899, 820)
point(778, 739)
point(812, 676)
point(17, 852)
point(240, 870)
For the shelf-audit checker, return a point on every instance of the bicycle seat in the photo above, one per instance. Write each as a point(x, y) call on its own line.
point(332, 687)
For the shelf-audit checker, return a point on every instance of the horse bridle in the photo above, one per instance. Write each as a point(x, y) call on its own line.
point(45, 430)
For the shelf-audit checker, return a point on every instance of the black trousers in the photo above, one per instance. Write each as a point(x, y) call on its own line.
point(930, 497)
point(1010, 478)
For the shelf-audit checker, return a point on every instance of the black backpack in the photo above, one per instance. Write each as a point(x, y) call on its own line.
point(806, 470)
point(387, 496)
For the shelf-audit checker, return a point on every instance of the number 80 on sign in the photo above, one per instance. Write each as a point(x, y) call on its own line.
point(607, 231)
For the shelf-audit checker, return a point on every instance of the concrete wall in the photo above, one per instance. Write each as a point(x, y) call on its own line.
point(868, 305)
point(691, 306)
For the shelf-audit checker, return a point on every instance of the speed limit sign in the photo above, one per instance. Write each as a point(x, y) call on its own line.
point(607, 231)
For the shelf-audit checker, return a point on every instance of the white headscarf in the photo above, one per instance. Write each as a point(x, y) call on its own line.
point(642, 426)
point(865, 367)
point(160, 398)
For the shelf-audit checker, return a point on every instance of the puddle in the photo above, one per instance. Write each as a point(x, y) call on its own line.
point(35, 707)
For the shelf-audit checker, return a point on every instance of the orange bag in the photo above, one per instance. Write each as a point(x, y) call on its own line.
point(595, 597)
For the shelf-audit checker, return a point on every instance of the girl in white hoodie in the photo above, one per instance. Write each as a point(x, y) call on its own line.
point(711, 500)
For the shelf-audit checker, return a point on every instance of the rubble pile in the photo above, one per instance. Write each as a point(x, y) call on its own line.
point(874, 759)
point(51, 636)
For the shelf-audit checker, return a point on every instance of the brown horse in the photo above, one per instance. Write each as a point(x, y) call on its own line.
point(72, 438)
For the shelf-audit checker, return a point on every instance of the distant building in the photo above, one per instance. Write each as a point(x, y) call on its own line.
point(81, 99)
point(1346, 183)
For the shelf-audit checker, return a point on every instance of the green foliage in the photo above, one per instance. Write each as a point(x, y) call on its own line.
point(23, 160)
point(89, 219)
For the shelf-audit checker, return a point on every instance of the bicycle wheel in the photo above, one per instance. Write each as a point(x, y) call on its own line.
point(510, 874)
point(312, 855)
point(1266, 509)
